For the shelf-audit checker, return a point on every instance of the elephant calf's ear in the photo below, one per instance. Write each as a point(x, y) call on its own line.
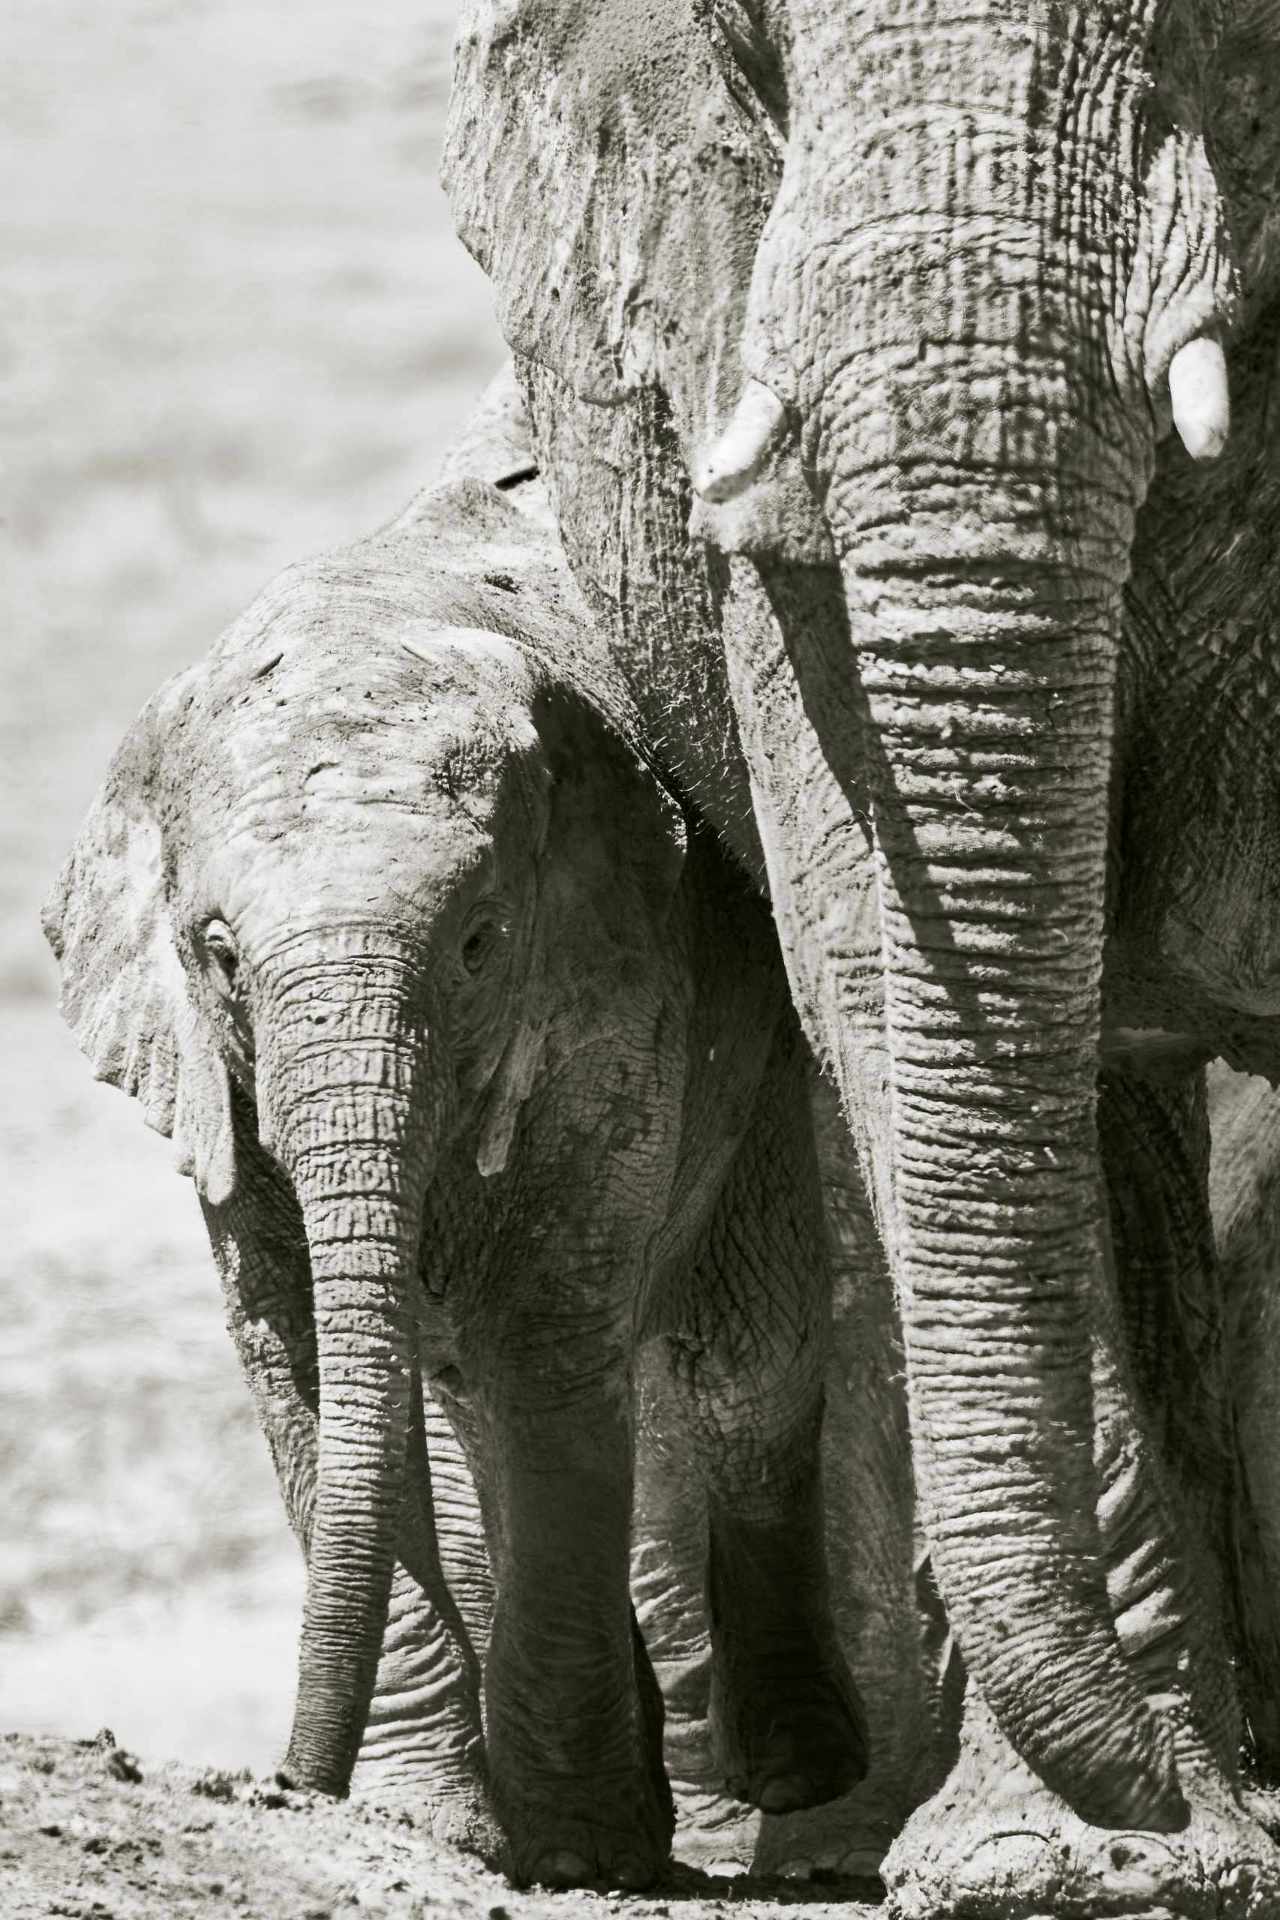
point(615, 842)
point(610, 861)
point(512, 1083)
point(124, 994)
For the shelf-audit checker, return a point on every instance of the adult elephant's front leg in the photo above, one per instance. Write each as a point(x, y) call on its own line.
point(748, 1352)
point(573, 1713)
point(995, 1841)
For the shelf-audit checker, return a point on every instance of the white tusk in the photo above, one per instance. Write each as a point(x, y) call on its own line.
point(1201, 402)
point(739, 453)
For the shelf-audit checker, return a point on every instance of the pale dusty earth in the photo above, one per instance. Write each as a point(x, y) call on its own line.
point(93, 1833)
point(235, 327)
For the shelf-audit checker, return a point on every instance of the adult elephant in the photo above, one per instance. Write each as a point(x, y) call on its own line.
point(897, 301)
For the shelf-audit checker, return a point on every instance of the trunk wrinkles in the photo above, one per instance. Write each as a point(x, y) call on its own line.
point(941, 294)
point(989, 693)
point(351, 1103)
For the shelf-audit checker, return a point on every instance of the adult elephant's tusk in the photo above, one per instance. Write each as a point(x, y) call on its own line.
point(739, 453)
point(1201, 401)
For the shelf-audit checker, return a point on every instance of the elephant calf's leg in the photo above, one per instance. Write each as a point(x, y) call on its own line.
point(573, 1713)
point(423, 1751)
point(785, 1714)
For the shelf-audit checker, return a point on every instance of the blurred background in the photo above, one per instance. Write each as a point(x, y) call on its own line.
point(235, 327)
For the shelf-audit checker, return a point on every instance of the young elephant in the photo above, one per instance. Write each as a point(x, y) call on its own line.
point(481, 1055)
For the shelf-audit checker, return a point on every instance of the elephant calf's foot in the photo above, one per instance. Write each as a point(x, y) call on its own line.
point(1002, 1847)
point(600, 1832)
point(451, 1804)
point(580, 1786)
point(789, 1730)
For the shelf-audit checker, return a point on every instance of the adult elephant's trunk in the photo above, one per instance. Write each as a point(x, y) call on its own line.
point(987, 666)
point(940, 301)
point(349, 1101)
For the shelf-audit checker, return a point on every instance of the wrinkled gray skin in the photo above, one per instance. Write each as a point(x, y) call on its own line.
point(849, 329)
point(483, 1058)
point(1245, 1188)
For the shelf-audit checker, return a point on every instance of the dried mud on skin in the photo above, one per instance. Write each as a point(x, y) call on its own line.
point(87, 1832)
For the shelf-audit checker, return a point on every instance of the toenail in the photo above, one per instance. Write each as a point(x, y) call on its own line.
point(561, 1869)
point(784, 1794)
point(631, 1873)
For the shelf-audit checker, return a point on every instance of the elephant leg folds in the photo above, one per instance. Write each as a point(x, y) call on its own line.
point(574, 1717)
point(788, 1725)
point(747, 1370)
point(994, 1844)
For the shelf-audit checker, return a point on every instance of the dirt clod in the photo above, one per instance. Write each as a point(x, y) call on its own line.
point(214, 1784)
point(123, 1766)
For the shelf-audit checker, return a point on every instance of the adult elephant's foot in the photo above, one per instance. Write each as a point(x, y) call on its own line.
point(789, 1727)
point(995, 1844)
point(844, 1838)
point(787, 1724)
point(585, 1811)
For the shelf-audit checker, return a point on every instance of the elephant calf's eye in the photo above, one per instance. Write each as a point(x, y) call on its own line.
point(478, 945)
point(219, 944)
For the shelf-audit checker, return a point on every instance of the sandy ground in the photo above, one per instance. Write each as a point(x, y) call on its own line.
point(108, 1839)
point(234, 326)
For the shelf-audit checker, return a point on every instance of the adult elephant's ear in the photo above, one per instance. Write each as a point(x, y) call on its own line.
point(613, 183)
point(611, 857)
point(124, 993)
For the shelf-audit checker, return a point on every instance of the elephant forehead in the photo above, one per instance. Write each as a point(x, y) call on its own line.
point(346, 868)
point(287, 858)
point(431, 766)
point(375, 724)
point(475, 656)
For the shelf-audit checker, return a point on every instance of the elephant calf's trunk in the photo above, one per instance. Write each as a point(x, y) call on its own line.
point(357, 1137)
point(363, 1344)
